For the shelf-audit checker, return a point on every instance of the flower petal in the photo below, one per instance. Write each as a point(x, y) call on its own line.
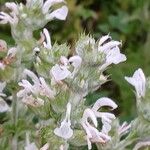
point(48, 4)
point(60, 14)
point(65, 131)
point(104, 101)
point(103, 39)
point(88, 113)
point(47, 44)
point(64, 60)
point(2, 86)
point(108, 46)
point(45, 147)
point(138, 80)
point(107, 116)
point(31, 146)
point(31, 75)
point(59, 73)
point(114, 56)
point(106, 126)
point(12, 52)
point(13, 7)
point(75, 60)
point(3, 106)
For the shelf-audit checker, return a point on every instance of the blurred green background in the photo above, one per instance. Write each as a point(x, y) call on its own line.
point(125, 20)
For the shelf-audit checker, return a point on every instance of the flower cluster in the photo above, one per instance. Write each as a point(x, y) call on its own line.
point(111, 51)
point(68, 72)
point(141, 124)
point(61, 71)
point(12, 17)
point(8, 55)
point(30, 93)
point(93, 135)
point(45, 8)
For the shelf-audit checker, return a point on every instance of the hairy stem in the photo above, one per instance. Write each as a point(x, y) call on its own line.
point(15, 120)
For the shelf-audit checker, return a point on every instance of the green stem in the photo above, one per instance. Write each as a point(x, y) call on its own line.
point(15, 120)
point(15, 110)
point(14, 143)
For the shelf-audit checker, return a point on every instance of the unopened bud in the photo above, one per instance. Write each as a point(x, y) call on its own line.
point(3, 46)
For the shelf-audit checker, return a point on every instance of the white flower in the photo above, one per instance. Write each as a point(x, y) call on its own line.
point(59, 72)
point(106, 44)
point(47, 44)
point(106, 127)
point(2, 86)
point(39, 86)
point(111, 50)
point(3, 106)
point(12, 52)
point(114, 56)
point(89, 114)
point(109, 46)
point(45, 147)
point(12, 17)
point(93, 135)
point(64, 61)
point(106, 120)
point(13, 7)
point(102, 40)
point(31, 75)
point(30, 146)
point(106, 117)
point(138, 80)
point(28, 88)
point(104, 101)
point(76, 61)
point(5, 18)
point(60, 13)
point(65, 131)
point(48, 4)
